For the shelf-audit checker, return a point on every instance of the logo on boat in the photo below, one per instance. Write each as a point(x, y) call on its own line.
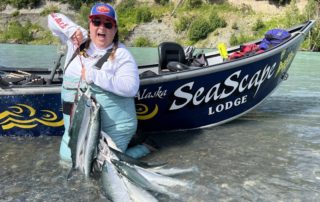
point(147, 94)
point(235, 83)
point(144, 113)
point(25, 116)
point(142, 110)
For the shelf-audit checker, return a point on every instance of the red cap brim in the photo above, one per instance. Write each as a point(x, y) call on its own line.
point(109, 18)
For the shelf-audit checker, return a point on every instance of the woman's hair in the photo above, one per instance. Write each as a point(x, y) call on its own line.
point(87, 43)
point(115, 46)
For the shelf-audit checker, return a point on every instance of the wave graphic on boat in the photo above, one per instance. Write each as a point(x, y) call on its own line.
point(25, 116)
point(143, 112)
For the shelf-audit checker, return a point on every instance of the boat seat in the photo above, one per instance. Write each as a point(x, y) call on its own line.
point(3, 83)
point(170, 52)
point(147, 73)
point(178, 67)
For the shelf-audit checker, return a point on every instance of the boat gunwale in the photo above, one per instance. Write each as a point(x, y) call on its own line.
point(31, 90)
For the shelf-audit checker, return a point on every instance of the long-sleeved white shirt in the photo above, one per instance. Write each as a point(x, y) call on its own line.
point(119, 76)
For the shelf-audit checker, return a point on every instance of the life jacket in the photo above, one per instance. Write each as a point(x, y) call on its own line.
point(246, 50)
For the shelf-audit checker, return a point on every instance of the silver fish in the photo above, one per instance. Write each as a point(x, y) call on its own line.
point(91, 141)
point(112, 181)
point(173, 171)
point(137, 194)
point(119, 155)
point(116, 186)
point(161, 179)
point(134, 176)
point(123, 157)
point(84, 131)
point(113, 184)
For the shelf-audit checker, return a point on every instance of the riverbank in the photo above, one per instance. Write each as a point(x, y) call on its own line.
point(34, 15)
point(163, 29)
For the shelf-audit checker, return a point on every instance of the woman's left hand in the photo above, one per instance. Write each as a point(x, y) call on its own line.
point(83, 73)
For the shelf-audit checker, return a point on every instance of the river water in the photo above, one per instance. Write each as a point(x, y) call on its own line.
point(270, 154)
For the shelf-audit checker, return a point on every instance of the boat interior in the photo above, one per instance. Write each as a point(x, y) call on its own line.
point(174, 58)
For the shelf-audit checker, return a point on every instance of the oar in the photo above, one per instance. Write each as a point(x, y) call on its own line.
point(53, 71)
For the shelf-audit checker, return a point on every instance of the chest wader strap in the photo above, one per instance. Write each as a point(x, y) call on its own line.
point(100, 62)
point(103, 59)
point(81, 48)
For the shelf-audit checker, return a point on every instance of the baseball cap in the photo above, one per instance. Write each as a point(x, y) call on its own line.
point(104, 10)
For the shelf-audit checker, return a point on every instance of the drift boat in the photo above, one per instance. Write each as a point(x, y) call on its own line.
point(173, 95)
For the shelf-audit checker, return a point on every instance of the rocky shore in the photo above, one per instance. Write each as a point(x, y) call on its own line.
point(162, 30)
point(34, 15)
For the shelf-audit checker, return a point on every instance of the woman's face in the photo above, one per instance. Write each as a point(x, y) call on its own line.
point(102, 31)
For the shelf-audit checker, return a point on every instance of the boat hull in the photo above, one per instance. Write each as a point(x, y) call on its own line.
point(213, 98)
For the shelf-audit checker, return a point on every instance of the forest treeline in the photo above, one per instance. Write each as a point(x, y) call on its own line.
point(76, 4)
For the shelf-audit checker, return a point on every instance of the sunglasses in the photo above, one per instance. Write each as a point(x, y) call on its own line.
point(97, 22)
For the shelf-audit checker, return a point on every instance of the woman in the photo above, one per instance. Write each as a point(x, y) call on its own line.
point(114, 85)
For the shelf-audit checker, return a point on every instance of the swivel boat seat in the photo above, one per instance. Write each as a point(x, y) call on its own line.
point(171, 57)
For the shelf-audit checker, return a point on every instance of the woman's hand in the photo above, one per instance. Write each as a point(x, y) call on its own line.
point(83, 73)
point(77, 38)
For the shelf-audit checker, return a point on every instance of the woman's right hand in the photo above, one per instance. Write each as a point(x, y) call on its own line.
point(77, 38)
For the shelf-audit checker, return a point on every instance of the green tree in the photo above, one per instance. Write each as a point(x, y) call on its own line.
point(18, 33)
point(76, 4)
point(24, 3)
point(142, 42)
point(281, 2)
point(199, 29)
point(259, 24)
point(216, 21)
point(126, 5)
point(193, 3)
point(143, 15)
point(312, 11)
point(182, 24)
point(233, 40)
point(84, 12)
point(161, 2)
point(293, 15)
